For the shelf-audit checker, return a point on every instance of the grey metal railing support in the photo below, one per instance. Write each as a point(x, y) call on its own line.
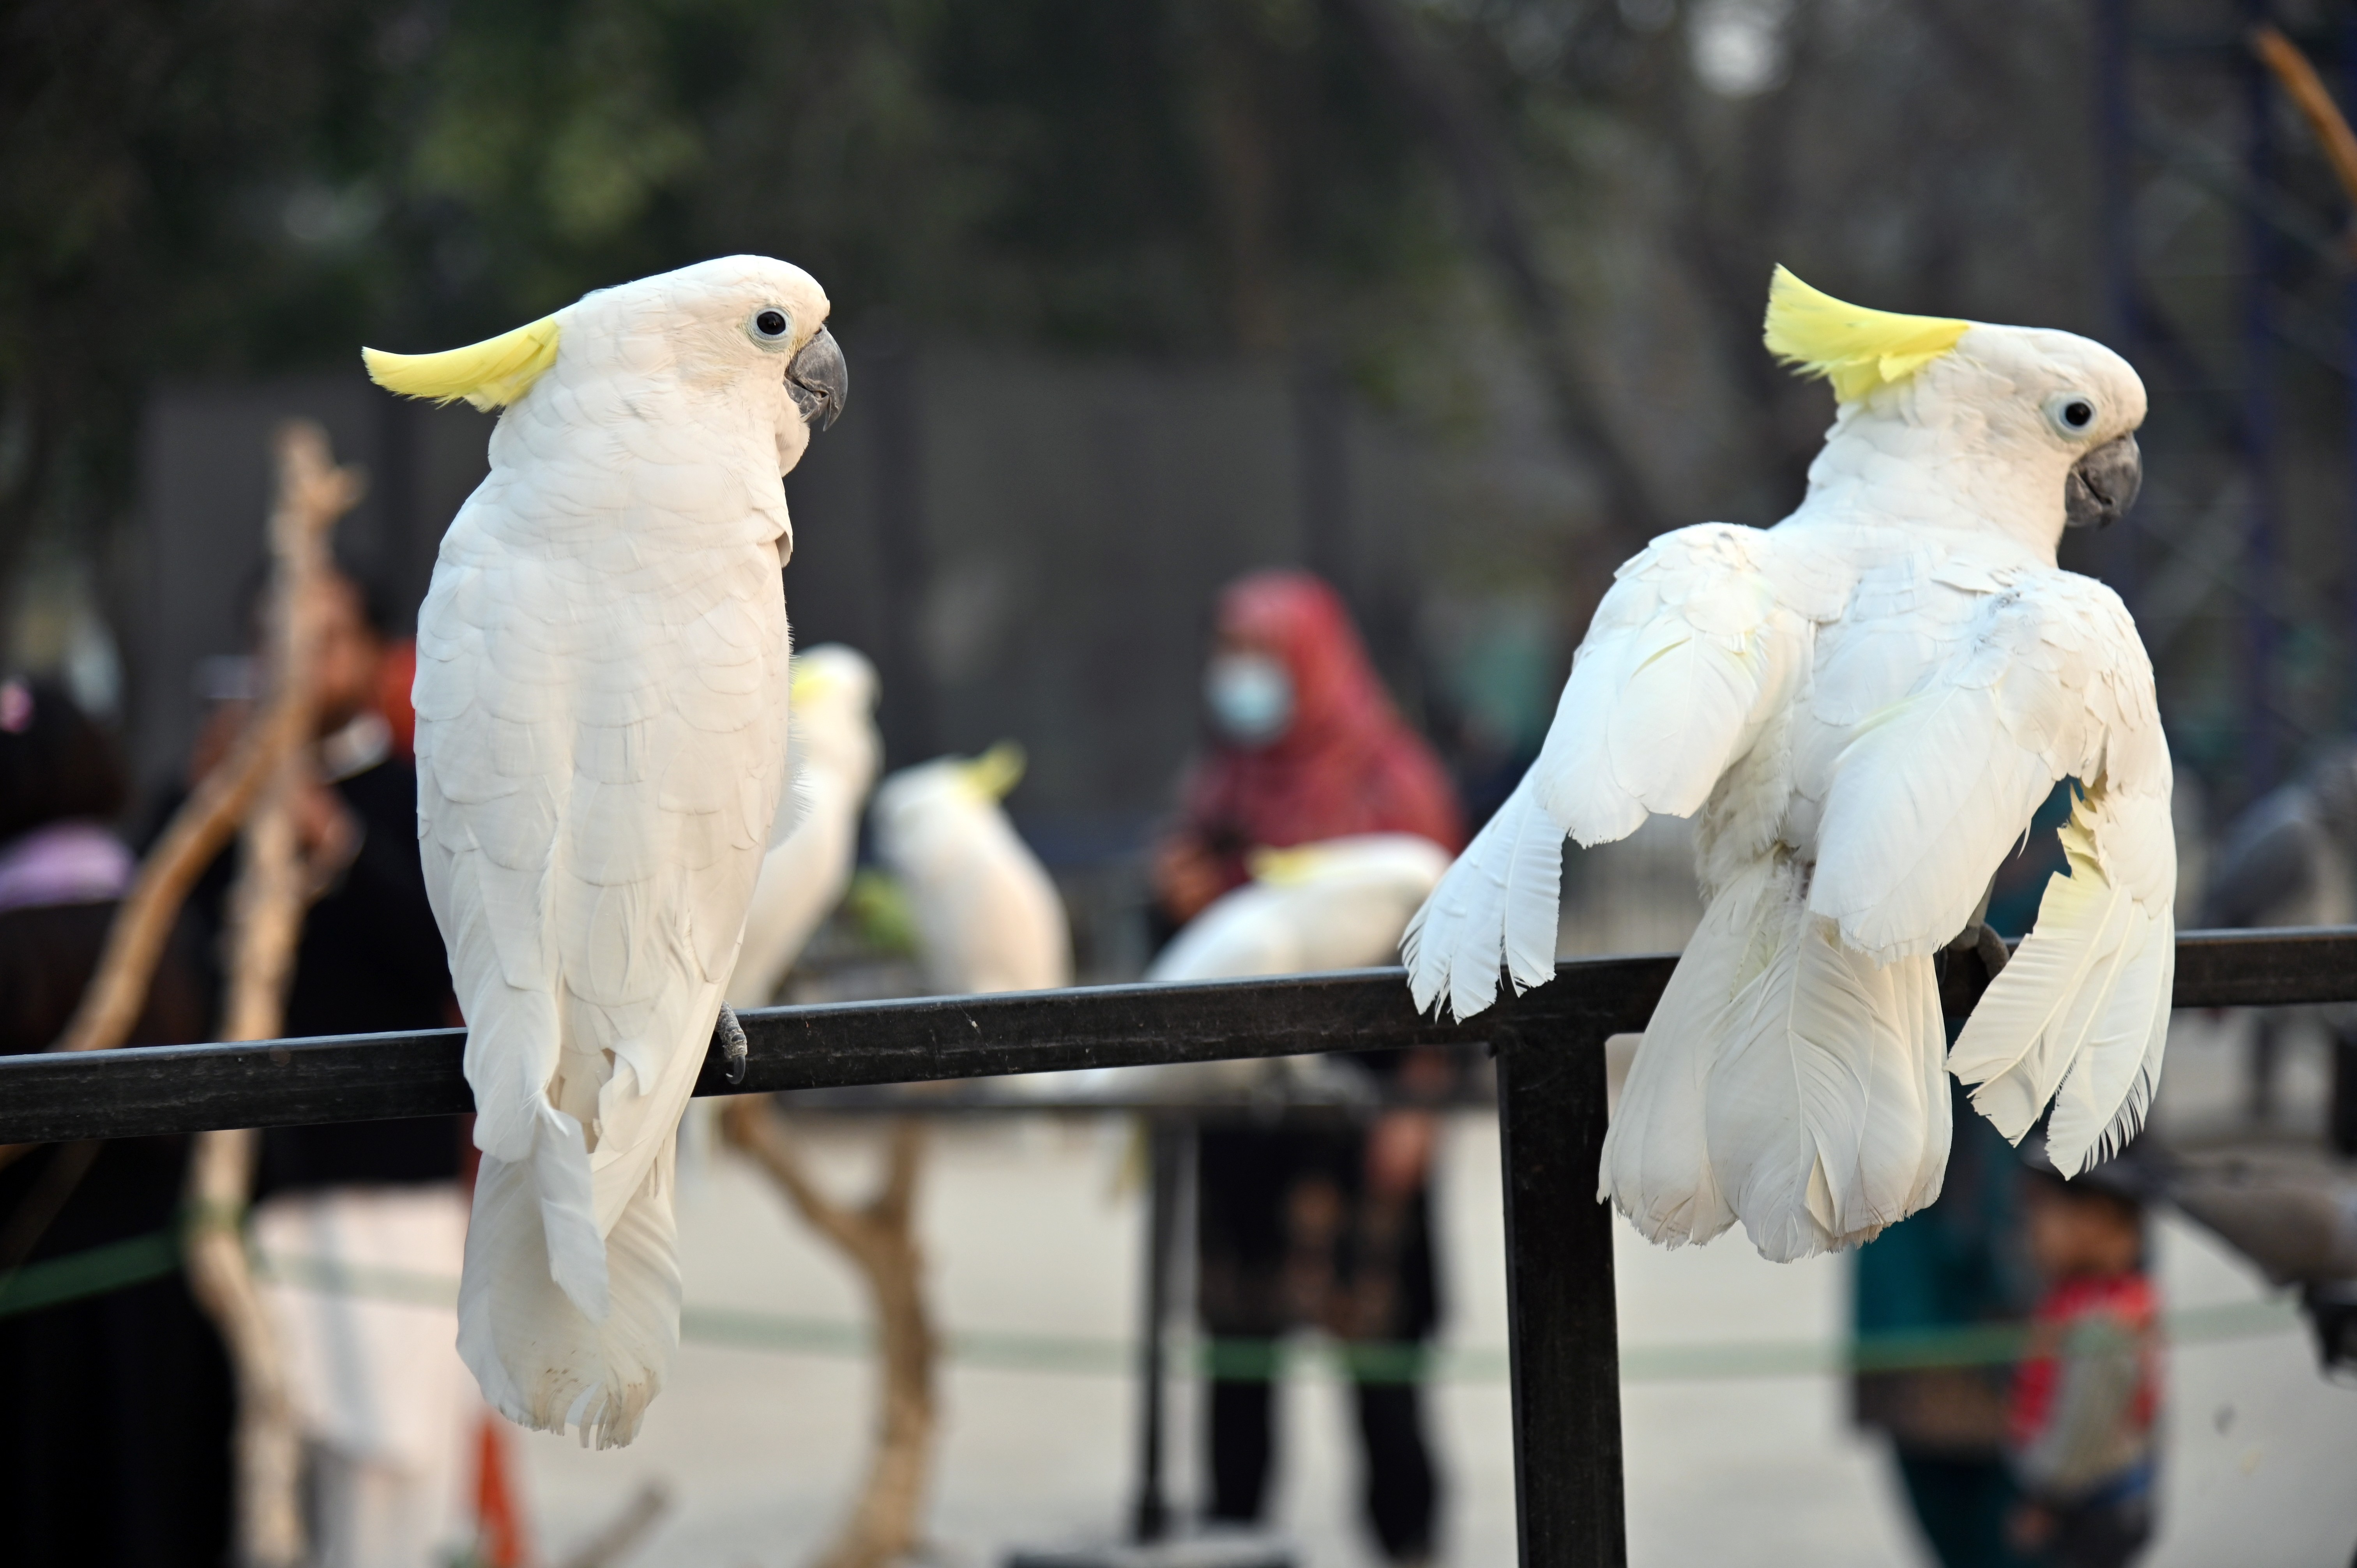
point(1563, 1323)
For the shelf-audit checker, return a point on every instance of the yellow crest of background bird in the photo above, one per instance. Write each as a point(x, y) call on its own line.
point(995, 772)
point(1286, 867)
point(1856, 348)
point(489, 374)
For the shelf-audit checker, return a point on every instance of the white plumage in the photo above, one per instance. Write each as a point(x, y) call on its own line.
point(601, 700)
point(1864, 703)
point(1339, 904)
point(988, 916)
point(833, 752)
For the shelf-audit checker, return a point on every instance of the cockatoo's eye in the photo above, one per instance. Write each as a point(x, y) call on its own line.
point(2072, 415)
point(770, 326)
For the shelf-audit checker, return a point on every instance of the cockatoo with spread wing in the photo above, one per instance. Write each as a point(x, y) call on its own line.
point(1864, 705)
point(988, 916)
point(1337, 904)
point(601, 710)
point(833, 752)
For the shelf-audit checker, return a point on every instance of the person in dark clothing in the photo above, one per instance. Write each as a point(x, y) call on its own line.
point(383, 1401)
point(1303, 1223)
point(371, 957)
point(114, 1446)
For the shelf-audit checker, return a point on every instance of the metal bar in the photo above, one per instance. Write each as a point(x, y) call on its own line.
point(1563, 1331)
point(365, 1078)
point(359, 1077)
point(1150, 1518)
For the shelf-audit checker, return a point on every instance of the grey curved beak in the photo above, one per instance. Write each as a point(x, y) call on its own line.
point(2103, 485)
point(818, 381)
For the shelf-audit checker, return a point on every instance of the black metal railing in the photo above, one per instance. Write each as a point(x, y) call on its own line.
point(1563, 1331)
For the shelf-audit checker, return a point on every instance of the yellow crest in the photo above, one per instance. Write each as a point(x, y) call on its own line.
point(995, 772)
point(1286, 867)
point(489, 374)
point(808, 682)
point(1856, 348)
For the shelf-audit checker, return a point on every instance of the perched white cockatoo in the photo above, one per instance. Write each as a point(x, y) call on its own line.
point(1865, 704)
point(833, 752)
point(601, 713)
point(1334, 904)
point(1339, 904)
point(988, 916)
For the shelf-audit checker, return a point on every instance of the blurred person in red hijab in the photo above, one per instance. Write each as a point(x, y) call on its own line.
point(1305, 745)
point(1300, 1222)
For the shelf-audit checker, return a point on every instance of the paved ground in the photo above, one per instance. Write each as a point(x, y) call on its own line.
point(761, 1446)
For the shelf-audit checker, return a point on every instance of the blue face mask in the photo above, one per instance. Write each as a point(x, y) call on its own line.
point(1250, 697)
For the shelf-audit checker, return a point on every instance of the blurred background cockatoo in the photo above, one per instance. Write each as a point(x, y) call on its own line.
point(1331, 903)
point(1865, 704)
point(988, 916)
point(1339, 904)
point(833, 752)
point(601, 700)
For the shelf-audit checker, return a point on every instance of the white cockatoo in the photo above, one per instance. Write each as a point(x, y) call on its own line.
point(988, 916)
point(601, 713)
point(1339, 904)
point(1333, 903)
point(833, 752)
point(1865, 704)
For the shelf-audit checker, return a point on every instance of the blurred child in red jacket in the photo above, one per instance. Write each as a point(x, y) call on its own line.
point(2087, 1394)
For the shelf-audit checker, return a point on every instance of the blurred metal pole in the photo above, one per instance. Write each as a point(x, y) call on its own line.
point(889, 368)
point(2115, 129)
point(1563, 1323)
point(2349, 548)
point(1167, 1147)
point(2260, 760)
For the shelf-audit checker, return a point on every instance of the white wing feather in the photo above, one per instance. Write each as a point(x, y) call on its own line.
point(2050, 683)
point(1785, 1080)
point(2081, 1016)
point(1930, 796)
point(1689, 653)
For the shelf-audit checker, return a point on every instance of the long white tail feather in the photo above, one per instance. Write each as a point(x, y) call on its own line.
point(1657, 1168)
point(1497, 904)
point(2103, 1103)
point(2079, 1018)
point(559, 1174)
point(593, 1373)
point(1784, 1081)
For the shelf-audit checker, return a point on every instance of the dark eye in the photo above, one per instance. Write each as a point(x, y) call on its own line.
point(2077, 413)
point(770, 324)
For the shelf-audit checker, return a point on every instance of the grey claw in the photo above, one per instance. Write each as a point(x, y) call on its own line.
point(1991, 946)
point(732, 1043)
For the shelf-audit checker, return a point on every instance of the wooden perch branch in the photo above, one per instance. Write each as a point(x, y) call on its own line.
point(266, 907)
point(313, 493)
point(2315, 103)
point(879, 1238)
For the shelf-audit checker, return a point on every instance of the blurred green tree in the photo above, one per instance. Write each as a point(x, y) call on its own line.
point(244, 186)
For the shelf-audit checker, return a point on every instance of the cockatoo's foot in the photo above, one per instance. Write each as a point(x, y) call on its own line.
point(731, 1035)
point(1994, 954)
